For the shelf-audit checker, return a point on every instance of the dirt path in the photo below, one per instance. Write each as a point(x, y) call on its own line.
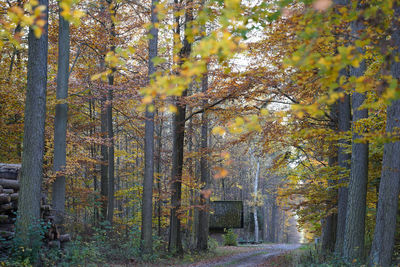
point(256, 255)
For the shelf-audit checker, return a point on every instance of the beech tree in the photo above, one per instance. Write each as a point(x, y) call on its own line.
point(147, 207)
point(353, 246)
point(34, 126)
point(178, 135)
point(389, 187)
point(60, 122)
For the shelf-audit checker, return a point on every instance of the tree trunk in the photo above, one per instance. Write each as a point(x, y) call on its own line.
point(344, 120)
point(203, 213)
point(110, 129)
point(178, 133)
point(34, 127)
point(104, 161)
point(272, 228)
point(158, 170)
point(60, 123)
point(328, 235)
point(356, 208)
point(147, 206)
point(175, 242)
point(389, 188)
point(255, 202)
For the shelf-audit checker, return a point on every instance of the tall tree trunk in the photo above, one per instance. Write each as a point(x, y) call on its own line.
point(110, 169)
point(191, 232)
point(110, 129)
point(344, 120)
point(34, 127)
point(272, 229)
point(389, 188)
point(147, 206)
point(104, 160)
point(328, 235)
point(203, 213)
point(356, 208)
point(178, 132)
point(255, 202)
point(175, 242)
point(158, 170)
point(60, 123)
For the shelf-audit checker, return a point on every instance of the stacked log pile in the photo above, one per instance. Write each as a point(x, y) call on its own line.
point(9, 187)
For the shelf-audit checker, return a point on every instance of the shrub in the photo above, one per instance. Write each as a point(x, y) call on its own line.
point(212, 244)
point(230, 238)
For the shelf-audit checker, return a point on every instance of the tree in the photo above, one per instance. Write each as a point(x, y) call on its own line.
point(109, 114)
point(178, 135)
point(60, 123)
point(255, 201)
point(389, 187)
point(328, 233)
point(34, 126)
point(203, 213)
point(344, 118)
point(357, 192)
point(147, 207)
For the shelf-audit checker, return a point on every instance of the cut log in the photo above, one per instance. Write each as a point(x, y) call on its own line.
point(6, 207)
point(65, 238)
point(55, 244)
point(9, 171)
point(8, 191)
point(49, 218)
point(1, 189)
point(6, 234)
point(7, 183)
point(5, 198)
point(45, 207)
point(7, 227)
point(53, 233)
point(14, 197)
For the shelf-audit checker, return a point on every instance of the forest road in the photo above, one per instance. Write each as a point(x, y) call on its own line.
point(255, 257)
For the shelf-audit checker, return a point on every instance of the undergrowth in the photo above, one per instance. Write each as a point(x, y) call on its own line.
point(105, 245)
point(310, 256)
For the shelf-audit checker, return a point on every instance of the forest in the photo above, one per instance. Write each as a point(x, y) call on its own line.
point(200, 133)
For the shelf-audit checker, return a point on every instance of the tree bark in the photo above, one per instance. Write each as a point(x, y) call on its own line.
point(110, 129)
point(147, 207)
point(178, 133)
point(34, 127)
point(344, 119)
point(104, 161)
point(60, 123)
point(255, 202)
point(203, 213)
point(344, 158)
point(158, 170)
point(328, 235)
point(389, 188)
point(356, 208)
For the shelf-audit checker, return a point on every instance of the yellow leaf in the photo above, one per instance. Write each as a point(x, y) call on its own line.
point(218, 130)
point(172, 109)
point(264, 112)
point(147, 99)
point(37, 31)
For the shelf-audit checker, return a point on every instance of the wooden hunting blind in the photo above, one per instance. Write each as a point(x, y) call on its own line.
point(226, 214)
